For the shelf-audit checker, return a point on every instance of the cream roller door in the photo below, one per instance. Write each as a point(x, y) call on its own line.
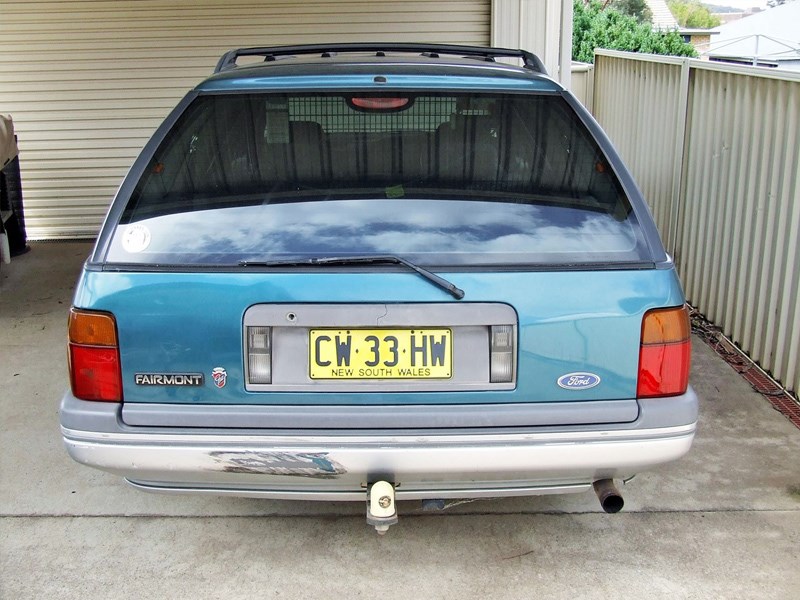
point(87, 82)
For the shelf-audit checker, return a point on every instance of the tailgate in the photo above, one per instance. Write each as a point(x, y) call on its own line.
point(384, 338)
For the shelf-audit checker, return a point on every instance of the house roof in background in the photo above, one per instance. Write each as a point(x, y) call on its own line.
point(771, 35)
point(662, 16)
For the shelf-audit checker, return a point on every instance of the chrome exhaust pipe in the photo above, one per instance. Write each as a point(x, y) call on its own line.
point(609, 496)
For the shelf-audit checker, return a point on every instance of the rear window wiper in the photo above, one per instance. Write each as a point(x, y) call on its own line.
point(456, 292)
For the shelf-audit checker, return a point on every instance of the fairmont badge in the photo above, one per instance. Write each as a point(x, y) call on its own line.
point(169, 379)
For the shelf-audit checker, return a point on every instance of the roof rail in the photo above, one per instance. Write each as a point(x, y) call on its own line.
point(530, 60)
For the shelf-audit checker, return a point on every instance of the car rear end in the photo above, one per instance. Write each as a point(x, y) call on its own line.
point(325, 273)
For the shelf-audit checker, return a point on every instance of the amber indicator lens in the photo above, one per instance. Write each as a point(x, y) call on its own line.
point(92, 328)
point(666, 326)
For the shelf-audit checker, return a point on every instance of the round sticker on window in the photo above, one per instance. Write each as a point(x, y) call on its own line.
point(136, 238)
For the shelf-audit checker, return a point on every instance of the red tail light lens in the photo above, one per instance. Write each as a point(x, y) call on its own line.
point(665, 353)
point(94, 365)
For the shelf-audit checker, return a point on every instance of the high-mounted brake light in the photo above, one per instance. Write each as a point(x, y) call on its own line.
point(665, 353)
point(94, 365)
point(380, 103)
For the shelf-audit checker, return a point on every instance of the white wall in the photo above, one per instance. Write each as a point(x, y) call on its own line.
point(542, 26)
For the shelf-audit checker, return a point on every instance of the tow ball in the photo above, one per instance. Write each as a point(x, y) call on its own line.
point(381, 506)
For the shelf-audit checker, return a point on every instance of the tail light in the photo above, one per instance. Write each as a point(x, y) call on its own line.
point(665, 353)
point(94, 365)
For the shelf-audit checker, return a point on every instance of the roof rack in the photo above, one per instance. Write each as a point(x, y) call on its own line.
point(530, 60)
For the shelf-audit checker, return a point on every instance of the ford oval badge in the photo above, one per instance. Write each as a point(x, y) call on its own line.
point(578, 381)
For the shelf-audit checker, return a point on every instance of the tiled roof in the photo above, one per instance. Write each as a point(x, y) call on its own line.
point(662, 17)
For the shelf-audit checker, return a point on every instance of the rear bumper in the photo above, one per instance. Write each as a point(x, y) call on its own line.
point(339, 466)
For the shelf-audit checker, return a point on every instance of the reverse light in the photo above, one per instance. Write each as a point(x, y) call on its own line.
point(665, 353)
point(94, 365)
point(259, 355)
point(501, 360)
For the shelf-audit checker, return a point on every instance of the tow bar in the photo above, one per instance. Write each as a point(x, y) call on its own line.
point(381, 506)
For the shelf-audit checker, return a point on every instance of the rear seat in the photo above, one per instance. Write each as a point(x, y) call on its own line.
point(470, 149)
point(305, 159)
point(383, 157)
point(527, 156)
point(480, 160)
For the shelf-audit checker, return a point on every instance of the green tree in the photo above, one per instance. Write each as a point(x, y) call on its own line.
point(596, 27)
point(692, 14)
point(637, 9)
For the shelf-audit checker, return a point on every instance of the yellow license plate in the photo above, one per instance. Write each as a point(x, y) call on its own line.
point(380, 353)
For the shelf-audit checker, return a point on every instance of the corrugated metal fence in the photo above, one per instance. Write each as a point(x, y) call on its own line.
point(716, 151)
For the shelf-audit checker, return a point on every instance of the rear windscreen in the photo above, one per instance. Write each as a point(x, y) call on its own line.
point(465, 179)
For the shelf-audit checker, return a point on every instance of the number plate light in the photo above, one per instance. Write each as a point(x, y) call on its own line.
point(501, 367)
point(259, 355)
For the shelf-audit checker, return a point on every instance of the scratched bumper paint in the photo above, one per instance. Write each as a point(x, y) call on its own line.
point(316, 465)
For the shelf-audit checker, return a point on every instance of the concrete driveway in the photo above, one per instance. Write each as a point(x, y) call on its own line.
point(722, 523)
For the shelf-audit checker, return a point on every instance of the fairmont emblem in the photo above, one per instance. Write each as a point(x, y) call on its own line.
point(220, 377)
point(171, 379)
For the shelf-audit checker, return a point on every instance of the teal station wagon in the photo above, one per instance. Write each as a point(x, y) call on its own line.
point(379, 272)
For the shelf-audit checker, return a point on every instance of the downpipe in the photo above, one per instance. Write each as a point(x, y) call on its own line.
point(609, 496)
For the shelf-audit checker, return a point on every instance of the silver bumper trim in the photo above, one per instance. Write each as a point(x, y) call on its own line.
point(401, 493)
point(324, 467)
point(372, 439)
